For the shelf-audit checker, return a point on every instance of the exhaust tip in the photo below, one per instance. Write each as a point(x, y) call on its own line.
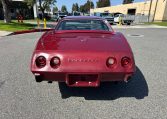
point(128, 79)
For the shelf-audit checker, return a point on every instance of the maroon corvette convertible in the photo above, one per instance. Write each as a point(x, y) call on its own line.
point(82, 52)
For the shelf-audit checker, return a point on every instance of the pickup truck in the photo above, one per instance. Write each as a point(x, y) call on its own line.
point(108, 16)
point(125, 19)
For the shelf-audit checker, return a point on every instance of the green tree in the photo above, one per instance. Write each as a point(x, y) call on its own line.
point(103, 3)
point(127, 1)
point(107, 3)
point(48, 9)
point(6, 10)
point(43, 4)
point(64, 8)
point(89, 5)
point(75, 7)
point(82, 9)
point(30, 2)
point(86, 7)
point(55, 9)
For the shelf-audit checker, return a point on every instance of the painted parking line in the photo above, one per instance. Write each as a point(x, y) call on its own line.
point(135, 35)
point(137, 26)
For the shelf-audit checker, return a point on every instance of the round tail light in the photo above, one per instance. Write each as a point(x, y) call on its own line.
point(111, 61)
point(40, 61)
point(55, 62)
point(125, 61)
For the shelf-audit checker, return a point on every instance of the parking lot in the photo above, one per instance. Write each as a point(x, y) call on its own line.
point(144, 97)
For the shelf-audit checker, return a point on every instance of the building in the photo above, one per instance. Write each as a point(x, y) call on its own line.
point(21, 7)
point(157, 9)
point(18, 7)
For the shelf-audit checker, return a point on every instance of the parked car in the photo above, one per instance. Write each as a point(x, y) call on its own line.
point(108, 16)
point(46, 15)
point(75, 13)
point(82, 52)
point(124, 19)
point(59, 15)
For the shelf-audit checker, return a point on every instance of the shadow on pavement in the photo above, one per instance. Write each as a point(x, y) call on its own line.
point(137, 88)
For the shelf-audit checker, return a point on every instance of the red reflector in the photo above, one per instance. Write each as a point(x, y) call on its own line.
point(125, 61)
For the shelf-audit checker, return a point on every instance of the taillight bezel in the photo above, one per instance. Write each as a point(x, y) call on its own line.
point(54, 66)
point(40, 64)
point(129, 64)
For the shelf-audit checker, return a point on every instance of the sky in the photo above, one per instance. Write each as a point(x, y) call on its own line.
point(69, 3)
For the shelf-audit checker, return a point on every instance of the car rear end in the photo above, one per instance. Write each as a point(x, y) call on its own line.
point(81, 57)
point(83, 69)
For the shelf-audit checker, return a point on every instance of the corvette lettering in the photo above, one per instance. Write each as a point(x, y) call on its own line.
point(82, 60)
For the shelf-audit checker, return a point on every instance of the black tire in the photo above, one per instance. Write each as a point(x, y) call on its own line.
point(129, 23)
point(38, 79)
point(64, 90)
point(116, 82)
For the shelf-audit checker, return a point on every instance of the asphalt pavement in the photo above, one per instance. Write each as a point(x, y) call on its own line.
point(145, 97)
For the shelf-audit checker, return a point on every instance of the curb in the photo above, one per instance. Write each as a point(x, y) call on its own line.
point(29, 31)
point(139, 27)
point(5, 33)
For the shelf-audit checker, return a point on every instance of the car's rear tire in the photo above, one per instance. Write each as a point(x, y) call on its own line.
point(116, 82)
point(38, 79)
point(64, 89)
point(129, 23)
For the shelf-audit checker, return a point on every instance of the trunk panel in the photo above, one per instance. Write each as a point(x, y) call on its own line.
point(85, 42)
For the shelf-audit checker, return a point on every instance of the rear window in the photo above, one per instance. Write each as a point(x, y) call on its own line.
point(82, 25)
